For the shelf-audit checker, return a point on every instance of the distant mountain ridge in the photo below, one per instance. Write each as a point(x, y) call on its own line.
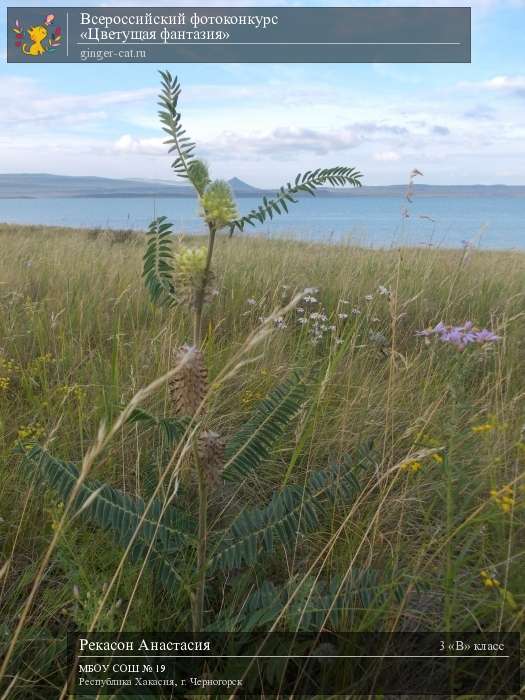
point(43, 185)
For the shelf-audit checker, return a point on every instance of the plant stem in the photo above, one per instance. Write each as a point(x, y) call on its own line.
point(201, 293)
point(198, 608)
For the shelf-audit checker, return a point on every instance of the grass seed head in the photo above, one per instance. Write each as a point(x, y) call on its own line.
point(210, 450)
point(190, 265)
point(189, 384)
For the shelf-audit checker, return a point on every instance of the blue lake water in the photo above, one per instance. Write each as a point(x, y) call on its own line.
point(490, 222)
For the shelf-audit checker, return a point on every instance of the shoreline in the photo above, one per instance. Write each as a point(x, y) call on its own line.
point(109, 233)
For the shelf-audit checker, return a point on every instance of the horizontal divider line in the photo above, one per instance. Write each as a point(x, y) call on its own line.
point(271, 656)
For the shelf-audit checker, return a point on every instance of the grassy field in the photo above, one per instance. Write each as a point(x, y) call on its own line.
point(434, 539)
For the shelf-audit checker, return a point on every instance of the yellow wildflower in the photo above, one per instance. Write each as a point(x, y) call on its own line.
point(428, 440)
point(4, 383)
point(250, 397)
point(504, 498)
point(30, 432)
point(489, 580)
point(56, 515)
point(438, 458)
point(40, 363)
point(411, 465)
point(74, 389)
point(9, 366)
point(483, 428)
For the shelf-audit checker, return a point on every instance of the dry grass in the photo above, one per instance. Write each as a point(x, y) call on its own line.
point(79, 337)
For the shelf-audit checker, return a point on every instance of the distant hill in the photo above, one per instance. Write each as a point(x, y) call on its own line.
point(431, 191)
point(32, 185)
point(41, 185)
point(241, 187)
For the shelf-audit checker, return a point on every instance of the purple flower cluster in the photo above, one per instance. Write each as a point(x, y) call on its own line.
point(460, 336)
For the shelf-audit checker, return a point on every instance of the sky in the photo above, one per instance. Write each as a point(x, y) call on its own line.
point(456, 123)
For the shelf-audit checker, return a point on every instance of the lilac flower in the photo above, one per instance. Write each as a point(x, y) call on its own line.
point(460, 336)
point(455, 336)
point(486, 336)
point(437, 330)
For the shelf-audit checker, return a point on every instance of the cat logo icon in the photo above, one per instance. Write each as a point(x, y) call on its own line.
point(39, 39)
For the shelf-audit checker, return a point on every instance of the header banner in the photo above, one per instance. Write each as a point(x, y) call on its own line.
point(238, 35)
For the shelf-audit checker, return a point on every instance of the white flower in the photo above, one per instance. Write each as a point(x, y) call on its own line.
point(251, 302)
point(356, 311)
point(300, 310)
point(309, 299)
point(332, 328)
point(343, 301)
point(338, 341)
point(315, 315)
point(383, 291)
point(302, 320)
point(369, 297)
point(311, 290)
point(342, 316)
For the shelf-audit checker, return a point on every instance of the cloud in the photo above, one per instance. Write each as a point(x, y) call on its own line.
point(128, 144)
point(273, 143)
point(387, 156)
point(17, 93)
point(504, 84)
point(480, 112)
point(441, 130)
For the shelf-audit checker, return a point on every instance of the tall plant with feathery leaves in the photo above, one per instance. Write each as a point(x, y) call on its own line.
point(157, 531)
point(186, 277)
